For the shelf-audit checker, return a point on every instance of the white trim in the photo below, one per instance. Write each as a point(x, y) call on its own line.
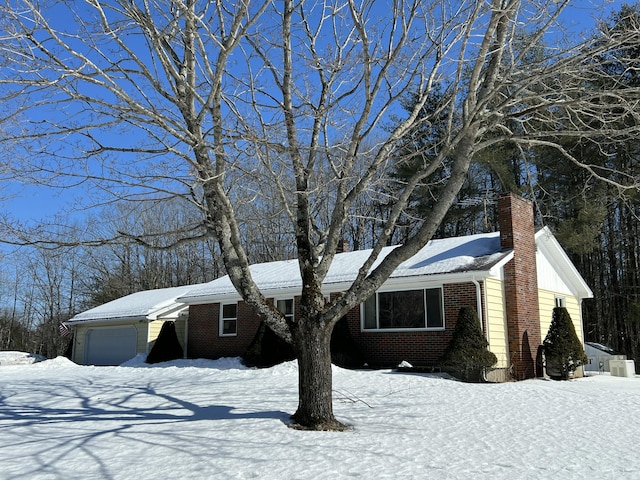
point(284, 299)
point(426, 320)
point(98, 321)
point(146, 347)
point(479, 306)
point(560, 300)
point(550, 248)
point(391, 284)
point(222, 318)
point(174, 308)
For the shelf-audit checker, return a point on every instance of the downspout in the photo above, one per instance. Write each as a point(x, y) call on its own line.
point(146, 348)
point(580, 304)
point(186, 333)
point(582, 329)
point(481, 317)
point(479, 307)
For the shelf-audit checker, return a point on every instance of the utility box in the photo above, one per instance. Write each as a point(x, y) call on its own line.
point(622, 368)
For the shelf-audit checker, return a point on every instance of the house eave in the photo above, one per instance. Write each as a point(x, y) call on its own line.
point(405, 281)
point(168, 311)
point(549, 246)
point(114, 319)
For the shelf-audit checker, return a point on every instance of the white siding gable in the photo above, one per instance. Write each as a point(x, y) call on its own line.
point(556, 273)
point(548, 276)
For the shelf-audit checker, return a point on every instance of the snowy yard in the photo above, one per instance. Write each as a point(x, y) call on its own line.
point(217, 419)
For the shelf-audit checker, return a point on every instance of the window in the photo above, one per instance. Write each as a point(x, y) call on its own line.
point(286, 307)
point(228, 319)
point(404, 310)
point(561, 302)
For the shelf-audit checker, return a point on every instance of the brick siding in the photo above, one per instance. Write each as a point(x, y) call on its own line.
point(420, 348)
point(204, 340)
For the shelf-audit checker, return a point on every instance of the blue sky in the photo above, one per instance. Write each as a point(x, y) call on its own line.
point(32, 203)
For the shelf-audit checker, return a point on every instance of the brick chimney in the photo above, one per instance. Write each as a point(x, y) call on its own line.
point(517, 231)
point(343, 246)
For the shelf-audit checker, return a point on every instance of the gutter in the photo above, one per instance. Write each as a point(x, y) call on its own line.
point(391, 283)
point(133, 318)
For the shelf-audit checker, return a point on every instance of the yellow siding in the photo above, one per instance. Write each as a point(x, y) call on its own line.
point(154, 331)
point(156, 326)
point(81, 335)
point(547, 301)
point(181, 327)
point(496, 317)
point(496, 322)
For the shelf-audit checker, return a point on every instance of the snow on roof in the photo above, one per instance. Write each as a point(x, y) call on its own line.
point(136, 305)
point(451, 255)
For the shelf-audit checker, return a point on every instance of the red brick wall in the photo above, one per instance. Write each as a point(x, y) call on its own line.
point(204, 340)
point(384, 349)
point(420, 348)
point(517, 231)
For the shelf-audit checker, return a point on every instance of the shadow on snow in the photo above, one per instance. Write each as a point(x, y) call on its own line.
point(66, 422)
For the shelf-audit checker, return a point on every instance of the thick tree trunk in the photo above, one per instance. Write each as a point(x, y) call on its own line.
point(315, 406)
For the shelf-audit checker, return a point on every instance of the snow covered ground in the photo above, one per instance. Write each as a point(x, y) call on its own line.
point(219, 420)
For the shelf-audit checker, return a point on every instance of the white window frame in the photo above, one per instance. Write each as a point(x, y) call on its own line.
point(223, 319)
point(408, 289)
point(293, 306)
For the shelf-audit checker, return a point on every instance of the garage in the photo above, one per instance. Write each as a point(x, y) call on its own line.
point(110, 345)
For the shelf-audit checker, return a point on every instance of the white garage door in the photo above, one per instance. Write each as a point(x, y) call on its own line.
point(110, 345)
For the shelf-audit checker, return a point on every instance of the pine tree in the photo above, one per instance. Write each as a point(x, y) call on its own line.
point(562, 348)
point(467, 352)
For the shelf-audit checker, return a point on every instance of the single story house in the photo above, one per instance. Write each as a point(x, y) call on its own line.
point(119, 330)
point(513, 278)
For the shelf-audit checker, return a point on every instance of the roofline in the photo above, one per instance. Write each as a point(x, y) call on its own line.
point(139, 318)
point(338, 287)
point(149, 317)
point(571, 275)
point(162, 312)
point(544, 238)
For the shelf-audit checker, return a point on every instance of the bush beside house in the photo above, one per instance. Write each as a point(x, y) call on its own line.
point(467, 354)
point(167, 346)
point(562, 348)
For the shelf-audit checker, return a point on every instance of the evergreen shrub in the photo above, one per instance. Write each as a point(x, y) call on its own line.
point(562, 348)
point(467, 354)
point(167, 346)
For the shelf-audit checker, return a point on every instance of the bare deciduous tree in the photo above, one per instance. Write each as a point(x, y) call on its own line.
point(211, 99)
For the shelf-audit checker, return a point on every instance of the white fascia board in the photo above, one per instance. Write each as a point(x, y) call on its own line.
point(175, 307)
point(405, 282)
point(415, 281)
point(132, 319)
point(497, 271)
point(422, 281)
point(551, 248)
point(229, 297)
